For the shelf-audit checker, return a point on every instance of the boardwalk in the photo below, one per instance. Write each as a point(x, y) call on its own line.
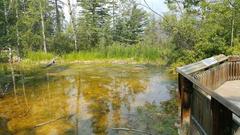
point(230, 90)
point(210, 96)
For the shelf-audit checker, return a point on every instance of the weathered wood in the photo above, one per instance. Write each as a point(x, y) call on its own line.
point(234, 70)
point(200, 112)
point(233, 58)
point(194, 67)
point(133, 130)
point(235, 109)
point(51, 121)
point(185, 90)
point(52, 62)
point(211, 107)
point(213, 77)
point(222, 119)
point(230, 91)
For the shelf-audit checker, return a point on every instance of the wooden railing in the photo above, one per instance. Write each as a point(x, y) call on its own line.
point(215, 76)
point(205, 111)
point(234, 68)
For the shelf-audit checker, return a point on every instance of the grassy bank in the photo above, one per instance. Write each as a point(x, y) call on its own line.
point(136, 53)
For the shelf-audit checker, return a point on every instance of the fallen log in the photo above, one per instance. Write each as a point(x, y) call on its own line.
point(53, 61)
point(133, 130)
point(4, 90)
point(51, 121)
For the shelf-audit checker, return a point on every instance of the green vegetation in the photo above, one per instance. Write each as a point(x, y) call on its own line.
point(136, 53)
point(119, 52)
point(200, 29)
point(39, 56)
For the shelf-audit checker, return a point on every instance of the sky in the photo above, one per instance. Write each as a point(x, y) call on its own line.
point(157, 5)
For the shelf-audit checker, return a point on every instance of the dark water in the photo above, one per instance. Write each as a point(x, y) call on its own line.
point(79, 99)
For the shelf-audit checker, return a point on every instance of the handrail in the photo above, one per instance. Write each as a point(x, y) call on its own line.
point(203, 64)
point(188, 70)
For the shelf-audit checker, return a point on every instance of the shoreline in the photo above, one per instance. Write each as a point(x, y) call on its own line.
point(96, 61)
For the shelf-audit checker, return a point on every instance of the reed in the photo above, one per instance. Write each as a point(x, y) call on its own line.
point(119, 52)
point(39, 56)
point(136, 53)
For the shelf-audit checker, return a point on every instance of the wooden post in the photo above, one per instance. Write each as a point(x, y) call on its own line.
point(222, 119)
point(185, 90)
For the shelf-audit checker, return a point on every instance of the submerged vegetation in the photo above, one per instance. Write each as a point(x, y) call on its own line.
point(161, 119)
point(86, 98)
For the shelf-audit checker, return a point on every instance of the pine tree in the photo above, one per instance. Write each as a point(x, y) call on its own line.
point(95, 20)
point(131, 24)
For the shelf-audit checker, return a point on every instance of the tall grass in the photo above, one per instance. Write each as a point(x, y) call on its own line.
point(119, 52)
point(138, 53)
point(39, 56)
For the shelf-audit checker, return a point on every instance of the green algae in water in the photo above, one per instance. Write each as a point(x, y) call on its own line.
point(84, 99)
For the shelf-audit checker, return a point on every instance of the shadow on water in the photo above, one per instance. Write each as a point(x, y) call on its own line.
point(87, 99)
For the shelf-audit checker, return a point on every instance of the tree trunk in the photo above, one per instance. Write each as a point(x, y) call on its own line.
point(73, 24)
point(6, 16)
point(232, 29)
point(57, 17)
point(43, 28)
point(17, 32)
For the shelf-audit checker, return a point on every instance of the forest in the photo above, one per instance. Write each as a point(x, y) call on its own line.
point(120, 29)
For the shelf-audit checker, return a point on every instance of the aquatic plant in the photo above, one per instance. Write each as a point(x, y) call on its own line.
point(158, 119)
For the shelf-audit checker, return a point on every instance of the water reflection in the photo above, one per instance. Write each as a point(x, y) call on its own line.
point(78, 99)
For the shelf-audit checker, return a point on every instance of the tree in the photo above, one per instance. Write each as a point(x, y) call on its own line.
point(201, 29)
point(154, 33)
point(43, 26)
point(130, 27)
point(95, 21)
point(17, 31)
point(73, 25)
point(57, 16)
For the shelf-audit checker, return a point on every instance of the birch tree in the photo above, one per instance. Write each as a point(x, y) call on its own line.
point(43, 27)
point(17, 31)
point(57, 17)
point(73, 24)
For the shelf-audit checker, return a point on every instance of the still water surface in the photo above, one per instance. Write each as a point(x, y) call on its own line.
point(79, 99)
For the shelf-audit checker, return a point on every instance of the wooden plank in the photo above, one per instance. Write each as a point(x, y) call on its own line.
point(195, 128)
point(230, 90)
point(234, 58)
point(201, 111)
point(194, 67)
point(235, 109)
point(185, 90)
point(222, 119)
point(207, 104)
point(213, 77)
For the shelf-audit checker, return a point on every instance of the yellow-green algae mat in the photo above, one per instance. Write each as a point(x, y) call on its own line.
point(77, 98)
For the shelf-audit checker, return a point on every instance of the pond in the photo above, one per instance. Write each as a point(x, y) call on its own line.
point(86, 99)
